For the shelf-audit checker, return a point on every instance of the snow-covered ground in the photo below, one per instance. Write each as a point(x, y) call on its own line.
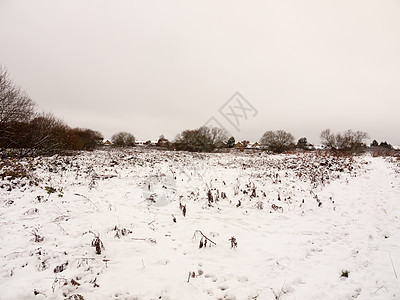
point(301, 222)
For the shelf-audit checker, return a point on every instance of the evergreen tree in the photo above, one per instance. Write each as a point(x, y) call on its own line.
point(231, 142)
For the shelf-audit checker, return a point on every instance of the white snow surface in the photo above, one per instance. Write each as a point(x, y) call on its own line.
point(333, 215)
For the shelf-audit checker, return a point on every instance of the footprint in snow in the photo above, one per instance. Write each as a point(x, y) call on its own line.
point(212, 276)
point(223, 287)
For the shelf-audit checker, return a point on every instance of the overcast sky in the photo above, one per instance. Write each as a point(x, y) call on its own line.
point(158, 67)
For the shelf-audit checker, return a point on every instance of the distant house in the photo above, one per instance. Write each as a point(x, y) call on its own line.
point(309, 147)
point(238, 145)
point(255, 145)
point(145, 143)
point(140, 143)
point(107, 143)
point(151, 143)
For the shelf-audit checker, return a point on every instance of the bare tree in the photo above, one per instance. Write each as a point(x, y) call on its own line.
point(15, 108)
point(123, 139)
point(217, 137)
point(277, 141)
point(348, 140)
point(328, 139)
point(203, 139)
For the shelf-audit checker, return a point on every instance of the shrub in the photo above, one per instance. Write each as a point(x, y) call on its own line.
point(47, 135)
point(83, 139)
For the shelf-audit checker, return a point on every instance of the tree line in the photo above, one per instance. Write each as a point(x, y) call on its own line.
point(25, 132)
point(209, 139)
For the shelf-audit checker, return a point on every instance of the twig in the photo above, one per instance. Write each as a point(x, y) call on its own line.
point(173, 174)
point(76, 194)
point(106, 261)
point(191, 274)
point(63, 230)
point(279, 294)
point(143, 264)
point(97, 243)
point(58, 280)
point(81, 260)
point(203, 236)
point(380, 288)
point(151, 223)
point(153, 241)
point(87, 258)
point(394, 269)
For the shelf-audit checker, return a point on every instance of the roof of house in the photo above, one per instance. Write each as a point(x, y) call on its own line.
point(238, 144)
point(254, 145)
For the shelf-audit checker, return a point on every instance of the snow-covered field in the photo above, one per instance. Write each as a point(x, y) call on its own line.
point(121, 224)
